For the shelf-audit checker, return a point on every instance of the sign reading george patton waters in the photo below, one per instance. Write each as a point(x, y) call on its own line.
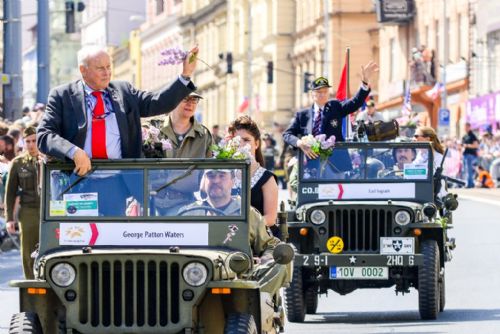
point(394, 10)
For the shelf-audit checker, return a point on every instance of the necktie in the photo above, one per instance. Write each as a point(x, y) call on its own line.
point(98, 128)
point(317, 124)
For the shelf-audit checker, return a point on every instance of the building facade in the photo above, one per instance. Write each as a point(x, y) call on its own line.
point(417, 52)
point(108, 22)
point(160, 31)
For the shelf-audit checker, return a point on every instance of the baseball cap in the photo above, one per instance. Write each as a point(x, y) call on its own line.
point(320, 82)
point(370, 103)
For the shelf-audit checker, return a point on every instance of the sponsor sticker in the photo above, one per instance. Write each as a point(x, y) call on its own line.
point(132, 234)
point(335, 245)
point(57, 208)
point(81, 204)
point(392, 245)
point(415, 171)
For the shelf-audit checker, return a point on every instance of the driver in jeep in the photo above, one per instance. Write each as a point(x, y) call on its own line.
point(219, 201)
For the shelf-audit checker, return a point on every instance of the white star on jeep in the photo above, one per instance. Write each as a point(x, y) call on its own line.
point(352, 259)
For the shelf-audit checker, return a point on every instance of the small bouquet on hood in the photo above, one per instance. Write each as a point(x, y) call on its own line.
point(152, 145)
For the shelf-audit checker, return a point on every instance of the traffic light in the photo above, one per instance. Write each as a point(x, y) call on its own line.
point(269, 72)
point(229, 60)
point(307, 81)
point(70, 14)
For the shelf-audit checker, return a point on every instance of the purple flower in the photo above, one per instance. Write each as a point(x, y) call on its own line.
point(173, 56)
point(166, 144)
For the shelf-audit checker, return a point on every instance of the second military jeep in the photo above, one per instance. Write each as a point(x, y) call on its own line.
point(370, 216)
point(115, 258)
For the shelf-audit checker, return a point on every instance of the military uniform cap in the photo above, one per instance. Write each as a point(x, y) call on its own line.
point(30, 130)
point(196, 95)
point(320, 82)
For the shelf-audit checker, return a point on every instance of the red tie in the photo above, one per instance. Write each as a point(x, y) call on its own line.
point(98, 129)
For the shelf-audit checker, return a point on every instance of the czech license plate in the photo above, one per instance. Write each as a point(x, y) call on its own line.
point(359, 272)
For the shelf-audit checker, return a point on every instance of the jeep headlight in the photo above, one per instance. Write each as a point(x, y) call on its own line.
point(402, 217)
point(63, 274)
point(195, 273)
point(318, 217)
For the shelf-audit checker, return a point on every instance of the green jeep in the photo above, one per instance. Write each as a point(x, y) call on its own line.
point(114, 257)
point(371, 215)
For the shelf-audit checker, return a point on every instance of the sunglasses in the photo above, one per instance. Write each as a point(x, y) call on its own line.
point(420, 136)
point(194, 100)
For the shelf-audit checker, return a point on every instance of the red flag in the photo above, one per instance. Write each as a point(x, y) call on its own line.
point(244, 105)
point(342, 89)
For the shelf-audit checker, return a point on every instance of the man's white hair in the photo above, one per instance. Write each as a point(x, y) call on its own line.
point(87, 52)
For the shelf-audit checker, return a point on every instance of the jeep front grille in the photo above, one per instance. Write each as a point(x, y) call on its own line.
point(126, 293)
point(360, 229)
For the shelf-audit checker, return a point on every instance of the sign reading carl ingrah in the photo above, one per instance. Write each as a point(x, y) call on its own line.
point(132, 234)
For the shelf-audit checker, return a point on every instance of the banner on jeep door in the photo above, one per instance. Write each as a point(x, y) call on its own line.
point(366, 190)
point(133, 234)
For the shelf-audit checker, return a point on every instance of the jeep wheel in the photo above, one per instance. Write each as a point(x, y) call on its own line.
point(294, 298)
point(442, 291)
point(311, 299)
point(240, 323)
point(428, 281)
point(25, 322)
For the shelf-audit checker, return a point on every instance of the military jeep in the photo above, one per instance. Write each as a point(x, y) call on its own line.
point(113, 260)
point(370, 216)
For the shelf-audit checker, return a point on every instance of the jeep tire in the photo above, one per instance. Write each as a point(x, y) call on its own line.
point(294, 298)
point(428, 281)
point(311, 299)
point(240, 323)
point(25, 322)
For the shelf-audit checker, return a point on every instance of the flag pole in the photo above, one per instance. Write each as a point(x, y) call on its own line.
point(348, 95)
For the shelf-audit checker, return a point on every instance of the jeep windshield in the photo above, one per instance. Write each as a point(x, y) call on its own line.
point(368, 171)
point(142, 190)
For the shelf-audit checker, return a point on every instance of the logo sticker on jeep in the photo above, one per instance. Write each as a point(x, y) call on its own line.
point(335, 245)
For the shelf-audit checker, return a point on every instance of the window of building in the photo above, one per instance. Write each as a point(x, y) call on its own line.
point(159, 7)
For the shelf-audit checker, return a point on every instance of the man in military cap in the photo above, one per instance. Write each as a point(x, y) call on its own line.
point(325, 116)
point(370, 115)
point(23, 181)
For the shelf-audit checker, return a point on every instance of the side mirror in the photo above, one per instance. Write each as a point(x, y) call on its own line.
point(283, 253)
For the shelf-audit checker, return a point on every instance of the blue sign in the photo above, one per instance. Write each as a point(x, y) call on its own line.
point(444, 117)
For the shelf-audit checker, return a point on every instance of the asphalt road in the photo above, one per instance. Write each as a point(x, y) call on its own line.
point(473, 295)
point(472, 289)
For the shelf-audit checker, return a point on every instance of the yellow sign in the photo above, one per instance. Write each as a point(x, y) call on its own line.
point(335, 245)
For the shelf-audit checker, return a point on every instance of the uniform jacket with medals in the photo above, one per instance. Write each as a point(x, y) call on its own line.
point(333, 114)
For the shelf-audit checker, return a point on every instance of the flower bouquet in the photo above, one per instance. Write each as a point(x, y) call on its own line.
point(152, 145)
point(320, 145)
point(229, 148)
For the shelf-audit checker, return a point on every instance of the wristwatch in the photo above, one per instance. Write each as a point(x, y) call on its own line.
point(185, 77)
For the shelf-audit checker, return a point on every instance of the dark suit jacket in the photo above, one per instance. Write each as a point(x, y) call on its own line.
point(65, 121)
point(331, 123)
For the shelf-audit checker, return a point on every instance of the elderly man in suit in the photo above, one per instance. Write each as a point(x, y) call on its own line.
point(325, 116)
point(94, 118)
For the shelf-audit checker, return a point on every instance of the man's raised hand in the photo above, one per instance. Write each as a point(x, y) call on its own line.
point(189, 64)
point(368, 70)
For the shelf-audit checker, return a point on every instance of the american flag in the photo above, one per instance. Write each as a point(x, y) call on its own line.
point(435, 91)
point(407, 101)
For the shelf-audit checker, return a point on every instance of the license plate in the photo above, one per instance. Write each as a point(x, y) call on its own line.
point(359, 272)
point(403, 246)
